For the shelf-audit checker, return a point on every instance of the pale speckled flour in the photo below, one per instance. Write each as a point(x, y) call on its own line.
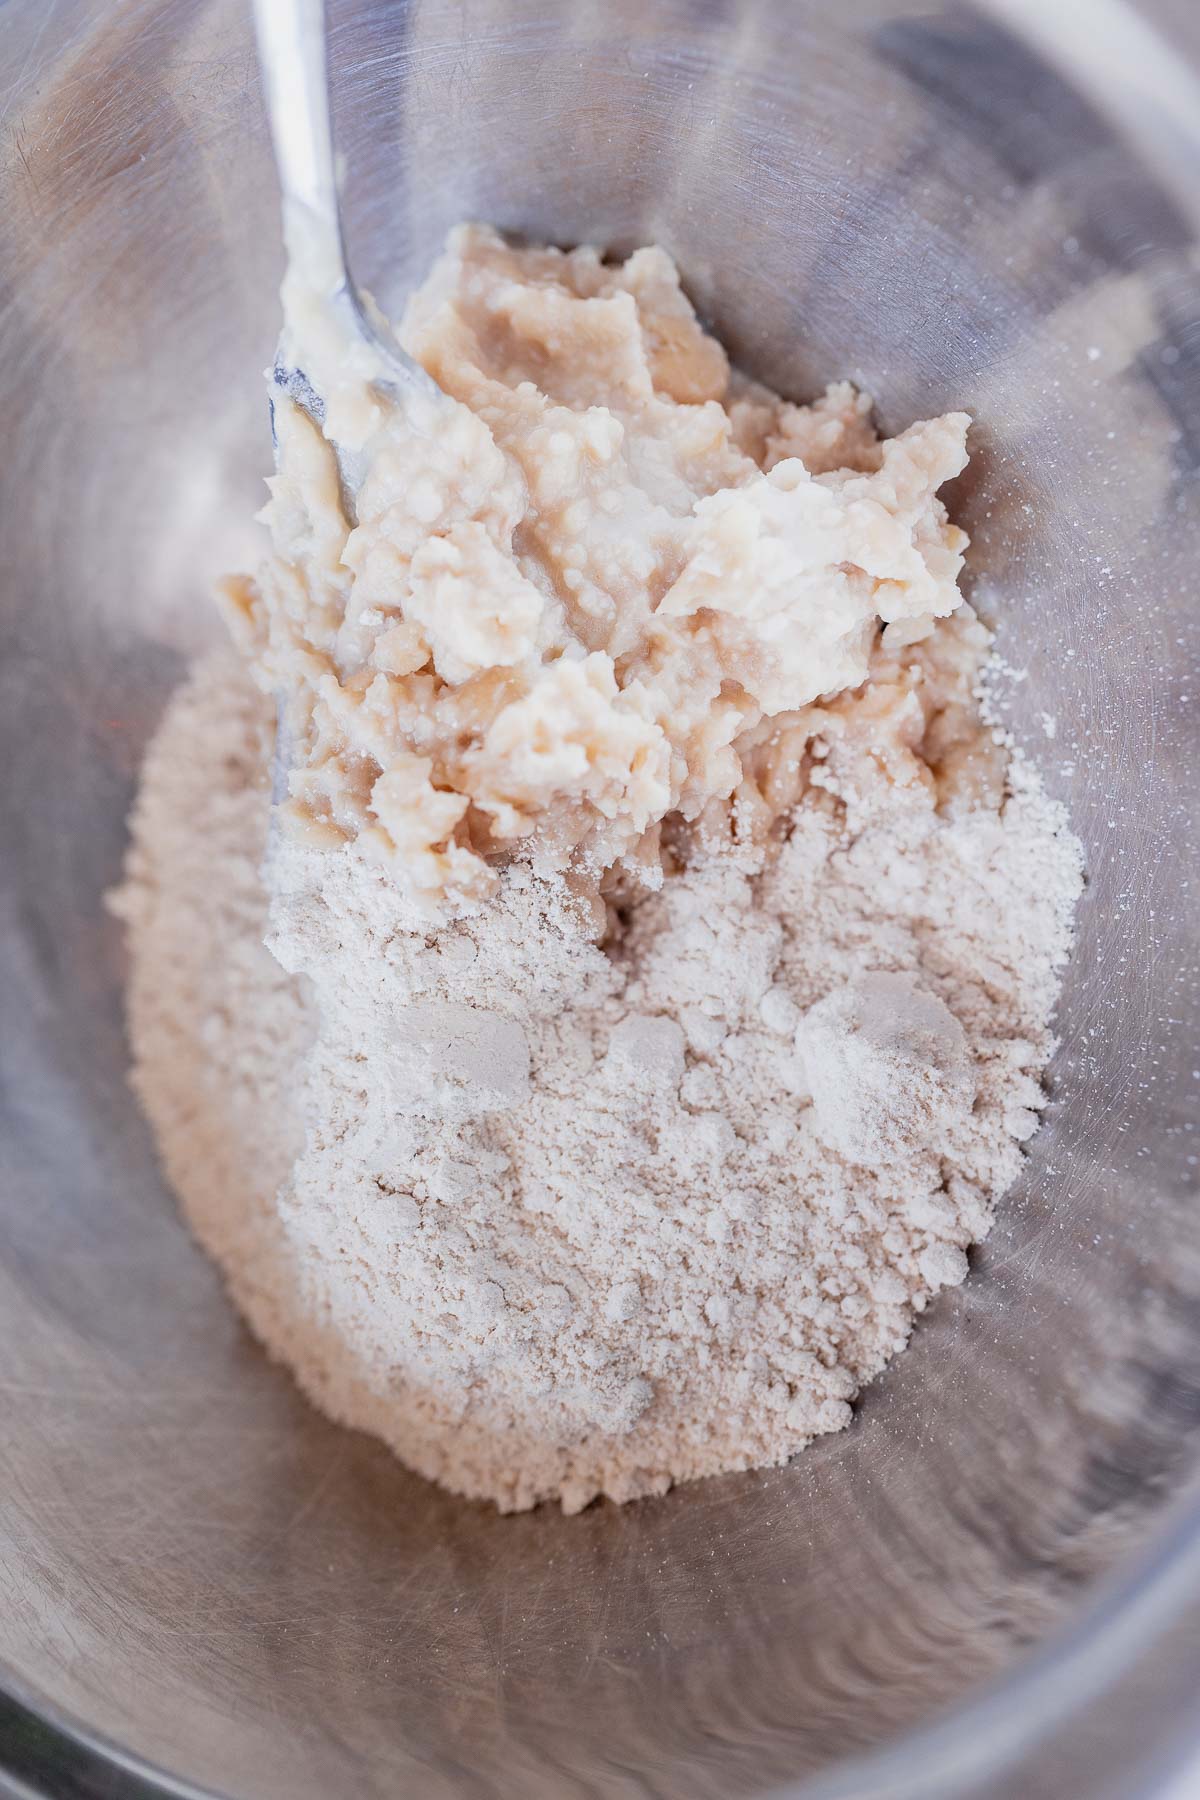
point(564, 1222)
point(643, 999)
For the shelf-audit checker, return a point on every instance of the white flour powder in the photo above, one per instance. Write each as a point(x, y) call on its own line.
point(555, 1220)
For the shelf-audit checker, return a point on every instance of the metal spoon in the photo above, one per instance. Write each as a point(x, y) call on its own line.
point(291, 48)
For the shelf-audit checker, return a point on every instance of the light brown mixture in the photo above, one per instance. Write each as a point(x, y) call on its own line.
point(593, 593)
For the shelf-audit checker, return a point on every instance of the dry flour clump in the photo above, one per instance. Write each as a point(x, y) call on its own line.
point(885, 1063)
point(556, 1220)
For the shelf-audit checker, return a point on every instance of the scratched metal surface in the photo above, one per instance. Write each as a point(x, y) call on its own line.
point(193, 1565)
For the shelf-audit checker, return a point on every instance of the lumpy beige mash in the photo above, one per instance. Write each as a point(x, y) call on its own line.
point(578, 596)
point(646, 1008)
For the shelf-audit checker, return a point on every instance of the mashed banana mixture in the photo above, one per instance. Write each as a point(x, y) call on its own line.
point(597, 592)
point(645, 1010)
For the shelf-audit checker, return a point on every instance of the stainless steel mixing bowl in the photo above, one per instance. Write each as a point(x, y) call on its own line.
point(989, 1585)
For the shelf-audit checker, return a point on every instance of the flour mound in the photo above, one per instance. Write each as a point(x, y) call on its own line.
point(643, 1000)
point(554, 1219)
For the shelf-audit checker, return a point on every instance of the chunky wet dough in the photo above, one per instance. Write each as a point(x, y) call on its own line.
point(582, 593)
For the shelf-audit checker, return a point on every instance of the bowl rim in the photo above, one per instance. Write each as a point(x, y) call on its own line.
point(1150, 92)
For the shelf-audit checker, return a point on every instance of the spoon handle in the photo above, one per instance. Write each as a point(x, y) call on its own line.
point(318, 284)
point(291, 48)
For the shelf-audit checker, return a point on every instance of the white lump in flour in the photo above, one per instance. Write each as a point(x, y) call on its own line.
point(659, 967)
